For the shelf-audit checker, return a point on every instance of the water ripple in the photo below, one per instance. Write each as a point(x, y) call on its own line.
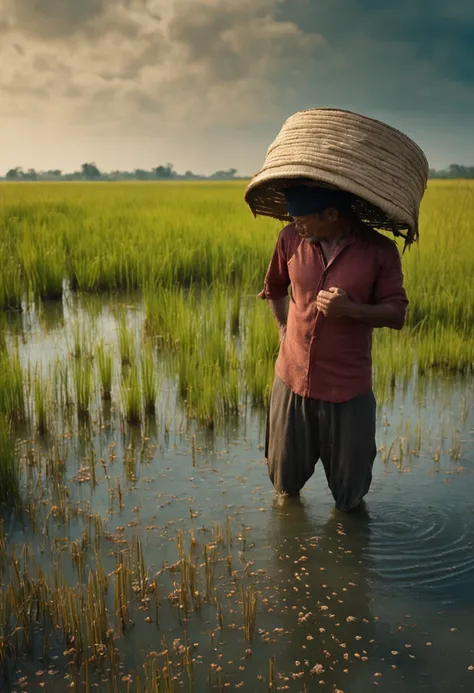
point(422, 546)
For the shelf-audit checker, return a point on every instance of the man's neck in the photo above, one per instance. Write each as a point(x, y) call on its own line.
point(338, 236)
point(331, 245)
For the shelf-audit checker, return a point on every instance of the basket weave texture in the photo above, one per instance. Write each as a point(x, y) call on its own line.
point(384, 170)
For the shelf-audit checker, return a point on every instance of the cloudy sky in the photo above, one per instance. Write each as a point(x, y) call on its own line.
point(207, 84)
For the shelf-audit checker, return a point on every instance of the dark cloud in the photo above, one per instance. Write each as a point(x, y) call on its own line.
point(205, 61)
point(230, 40)
point(53, 18)
point(248, 62)
point(147, 56)
point(62, 19)
point(409, 55)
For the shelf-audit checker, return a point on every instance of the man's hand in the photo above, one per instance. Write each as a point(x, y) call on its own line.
point(334, 303)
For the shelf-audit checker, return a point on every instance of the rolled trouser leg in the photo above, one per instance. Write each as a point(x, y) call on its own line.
point(348, 448)
point(292, 439)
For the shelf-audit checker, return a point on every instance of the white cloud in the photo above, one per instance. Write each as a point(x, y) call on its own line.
point(137, 64)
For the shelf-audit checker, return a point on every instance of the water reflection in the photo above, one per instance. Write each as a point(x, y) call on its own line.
point(323, 575)
point(335, 632)
point(51, 316)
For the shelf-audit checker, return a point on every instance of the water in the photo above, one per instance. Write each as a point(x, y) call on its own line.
point(379, 600)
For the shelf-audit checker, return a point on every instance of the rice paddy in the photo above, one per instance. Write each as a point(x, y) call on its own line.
point(140, 545)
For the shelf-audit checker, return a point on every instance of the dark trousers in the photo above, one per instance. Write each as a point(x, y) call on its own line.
point(301, 431)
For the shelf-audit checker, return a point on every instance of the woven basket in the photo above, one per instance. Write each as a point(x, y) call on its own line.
point(385, 171)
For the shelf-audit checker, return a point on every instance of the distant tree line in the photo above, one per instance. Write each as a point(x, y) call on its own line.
point(453, 171)
point(89, 171)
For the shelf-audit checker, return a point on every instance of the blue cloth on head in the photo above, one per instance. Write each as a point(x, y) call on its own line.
point(303, 199)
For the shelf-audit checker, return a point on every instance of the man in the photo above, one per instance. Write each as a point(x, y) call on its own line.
point(345, 280)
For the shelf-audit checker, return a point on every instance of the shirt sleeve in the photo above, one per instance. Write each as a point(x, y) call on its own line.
point(277, 279)
point(389, 285)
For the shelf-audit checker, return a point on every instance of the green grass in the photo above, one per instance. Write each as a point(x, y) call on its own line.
point(3, 337)
point(105, 361)
point(261, 350)
point(62, 379)
point(198, 257)
point(80, 340)
point(129, 236)
point(149, 378)
point(43, 262)
point(9, 482)
point(197, 327)
point(131, 394)
point(11, 286)
point(83, 381)
point(41, 401)
point(126, 341)
point(12, 393)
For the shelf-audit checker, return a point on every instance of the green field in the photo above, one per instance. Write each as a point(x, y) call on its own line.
point(169, 241)
point(129, 317)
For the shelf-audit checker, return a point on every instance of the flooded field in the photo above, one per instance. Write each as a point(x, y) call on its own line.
point(142, 548)
point(154, 555)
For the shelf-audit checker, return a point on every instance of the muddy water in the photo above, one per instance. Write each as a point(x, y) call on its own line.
point(347, 603)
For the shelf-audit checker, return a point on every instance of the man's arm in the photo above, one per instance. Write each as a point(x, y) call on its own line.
point(335, 303)
point(276, 284)
point(383, 315)
point(279, 309)
point(390, 302)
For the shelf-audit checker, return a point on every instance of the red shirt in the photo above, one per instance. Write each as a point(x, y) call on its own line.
point(331, 358)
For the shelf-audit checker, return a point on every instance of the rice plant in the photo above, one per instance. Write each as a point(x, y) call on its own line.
point(261, 349)
point(83, 380)
point(43, 262)
point(201, 278)
point(41, 400)
point(126, 341)
point(105, 362)
point(3, 339)
point(249, 607)
point(131, 394)
point(9, 468)
point(12, 394)
point(168, 314)
point(12, 286)
point(231, 389)
point(199, 386)
point(63, 394)
point(149, 379)
point(81, 340)
point(236, 303)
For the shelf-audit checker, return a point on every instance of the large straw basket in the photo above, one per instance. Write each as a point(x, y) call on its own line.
point(385, 171)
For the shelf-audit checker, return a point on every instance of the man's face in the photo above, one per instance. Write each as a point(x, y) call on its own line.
point(317, 227)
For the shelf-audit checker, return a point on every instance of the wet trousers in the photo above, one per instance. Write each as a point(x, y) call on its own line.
point(301, 431)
